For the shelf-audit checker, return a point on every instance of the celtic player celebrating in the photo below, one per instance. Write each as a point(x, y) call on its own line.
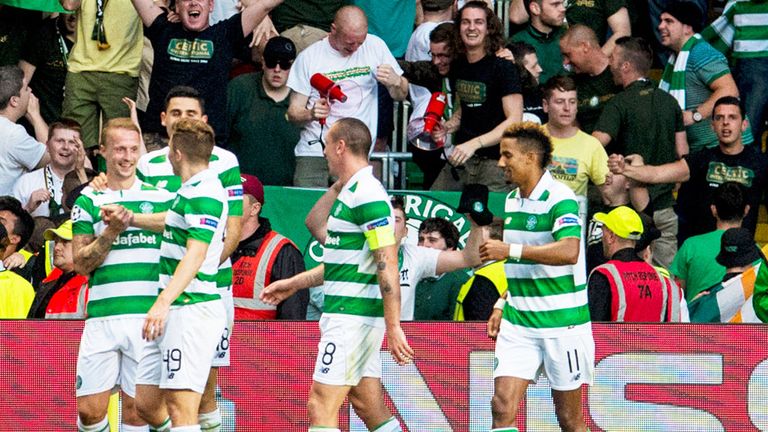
point(122, 265)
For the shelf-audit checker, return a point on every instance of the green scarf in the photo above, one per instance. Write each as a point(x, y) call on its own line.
point(673, 78)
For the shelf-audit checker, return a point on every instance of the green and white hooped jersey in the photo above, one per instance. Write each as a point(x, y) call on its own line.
point(198, 212)
point(360, 221)
point(544, 300)
point(126, 282)
point(155, 169)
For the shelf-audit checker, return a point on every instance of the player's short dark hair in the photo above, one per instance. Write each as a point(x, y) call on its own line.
point(443, 33)
point(447, 230)
point(560, 83)
point(11, 82)
point(25, 223)
point(193, 138)
point(531, 137)
point(637, 52)
point(730, 201)
point(354, 133)
point(184, 92)
point(729, 100)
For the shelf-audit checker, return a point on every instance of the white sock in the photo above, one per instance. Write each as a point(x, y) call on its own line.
point(164, 427)
point(102, 426)
point(391, 425)
point(210, 422)
point(130, 428)
point(505, 429)
point(323, 429)
point(190, 428)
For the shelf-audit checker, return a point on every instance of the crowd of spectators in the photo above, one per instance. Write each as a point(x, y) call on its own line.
point(666, 118)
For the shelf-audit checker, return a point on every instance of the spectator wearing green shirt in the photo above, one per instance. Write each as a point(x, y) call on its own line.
point(543, 33)
point(694, 265)
point(256, 107)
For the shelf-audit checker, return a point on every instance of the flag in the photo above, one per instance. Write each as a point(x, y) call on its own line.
point(38, 5)
point(730, 301)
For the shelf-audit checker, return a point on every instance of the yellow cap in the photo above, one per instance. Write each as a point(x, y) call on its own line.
point(623, 221)
point(64, 231)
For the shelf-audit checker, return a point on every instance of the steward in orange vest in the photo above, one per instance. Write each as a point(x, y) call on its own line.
point(262, 257)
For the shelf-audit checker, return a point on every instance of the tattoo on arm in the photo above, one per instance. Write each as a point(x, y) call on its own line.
point(381, 266)
point(90, 252)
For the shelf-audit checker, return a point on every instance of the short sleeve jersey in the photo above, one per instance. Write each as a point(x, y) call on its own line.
point(416, 263)
point(155, 169)
point(544, 300)
point(480, 86)
point(360, 222)
point(355, 75)
point(705, 65)
point(198, 212)
point(126, 282)
point(197, 59)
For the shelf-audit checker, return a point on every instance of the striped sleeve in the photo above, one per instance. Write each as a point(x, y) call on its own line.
point(84, 215)
point(565, 219)
point(203, 216)
point(375, 220)
point(720, 33)
point(229, 175)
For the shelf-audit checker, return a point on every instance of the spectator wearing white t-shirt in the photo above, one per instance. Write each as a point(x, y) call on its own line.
point(19, 152)
point(356, 61)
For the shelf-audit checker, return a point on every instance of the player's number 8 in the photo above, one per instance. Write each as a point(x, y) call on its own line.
point(330, 349)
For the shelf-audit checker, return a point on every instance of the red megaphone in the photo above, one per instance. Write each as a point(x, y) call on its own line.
point(328, 89)
point(435, 110)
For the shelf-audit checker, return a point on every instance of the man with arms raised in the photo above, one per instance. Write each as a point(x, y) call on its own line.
point(543, 324)
point(155, 168)
point(354, 221)
point(122, 265)
point(194, 53)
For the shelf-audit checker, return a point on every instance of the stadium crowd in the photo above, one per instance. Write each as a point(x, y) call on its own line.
point(651, 115)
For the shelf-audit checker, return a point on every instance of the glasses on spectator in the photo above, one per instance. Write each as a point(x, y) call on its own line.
point(271, 63)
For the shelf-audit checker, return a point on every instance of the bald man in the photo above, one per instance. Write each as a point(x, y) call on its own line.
point(356, 61)
point(583, 55)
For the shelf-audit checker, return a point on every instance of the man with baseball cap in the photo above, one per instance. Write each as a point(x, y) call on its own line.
point(626, 288)
point(64, 293)
point(256, 109)
point(263, 256)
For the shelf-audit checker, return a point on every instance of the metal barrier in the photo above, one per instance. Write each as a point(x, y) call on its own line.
point(393, 169)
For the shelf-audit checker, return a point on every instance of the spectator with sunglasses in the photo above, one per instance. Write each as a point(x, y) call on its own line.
point(256, 116)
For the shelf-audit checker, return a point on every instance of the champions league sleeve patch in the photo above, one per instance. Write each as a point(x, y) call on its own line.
point(377, 223)
point(235, 192)
point(567, 221)
point(213, 223)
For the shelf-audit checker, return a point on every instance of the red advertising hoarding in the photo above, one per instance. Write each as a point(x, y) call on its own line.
point(647, 377)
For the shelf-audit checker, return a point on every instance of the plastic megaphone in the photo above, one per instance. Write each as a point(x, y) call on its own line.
point(420, 129)
point(327, 89)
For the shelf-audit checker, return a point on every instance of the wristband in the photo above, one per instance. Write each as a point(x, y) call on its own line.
point(515, 251)
point(500, 303)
